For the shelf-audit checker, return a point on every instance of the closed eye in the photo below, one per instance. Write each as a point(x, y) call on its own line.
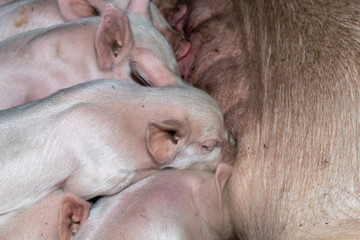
point(139, 79)
point(207, 148)
point(209, 145)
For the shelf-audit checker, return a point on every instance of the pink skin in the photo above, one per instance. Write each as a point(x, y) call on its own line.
point(182, 50)
point(197, 20)
point(41, 220)
point(212, 64)
point(174, 13)
point(177, 20)
point(22, 16)
point(290, 95)
point(168, 205)
point(124, 135)
point(41, 62)
point(180, 204)
point(3, 2)
point(25, 15)
point(176, 16)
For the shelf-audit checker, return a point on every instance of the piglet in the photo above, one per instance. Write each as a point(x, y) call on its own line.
point(98, 137)
point(40, 62)
point(25, 15)
point(40, 220)
point(173, 204)
point(180, 46)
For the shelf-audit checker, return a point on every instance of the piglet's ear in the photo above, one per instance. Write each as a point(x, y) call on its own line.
point(74, 211)
point(113, 39)
point(163, 139)
point(151, 69)
point(208, 198)
point(76, 9)
point(141, 7)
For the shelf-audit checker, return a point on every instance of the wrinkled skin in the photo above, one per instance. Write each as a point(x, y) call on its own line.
point(40, 62)
point(124, 135)
point(155, 203)
point(174, 12)
point(25, 15)
point(288, 85)
point(169, 205)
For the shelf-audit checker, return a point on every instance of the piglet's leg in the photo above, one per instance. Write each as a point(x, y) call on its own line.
point(74, 211)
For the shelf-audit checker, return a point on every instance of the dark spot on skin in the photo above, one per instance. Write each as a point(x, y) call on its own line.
point(142, 106)
point(326, 223)
point(325, 161)
point(192, 69)
point(21, 52)
point(42, 234)
point(142, 215)
point(266, 147)
point(216, 50)
point(300, 225)
point(21, 22)
point(113, 87)
point(109, 21)
point(46, 223)
point(58, 50)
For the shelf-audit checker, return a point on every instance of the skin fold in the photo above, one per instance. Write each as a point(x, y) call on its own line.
point(287, 82)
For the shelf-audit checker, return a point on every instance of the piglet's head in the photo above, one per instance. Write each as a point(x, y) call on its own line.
point(197, 139)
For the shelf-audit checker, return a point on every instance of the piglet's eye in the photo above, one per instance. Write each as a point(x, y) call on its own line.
point(207, 148)
point(209, 145)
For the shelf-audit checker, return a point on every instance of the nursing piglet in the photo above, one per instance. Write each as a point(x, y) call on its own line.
point(172, 34)
point(173, 204)
point(98, 137)
point(40, 62)
point(25, 15)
